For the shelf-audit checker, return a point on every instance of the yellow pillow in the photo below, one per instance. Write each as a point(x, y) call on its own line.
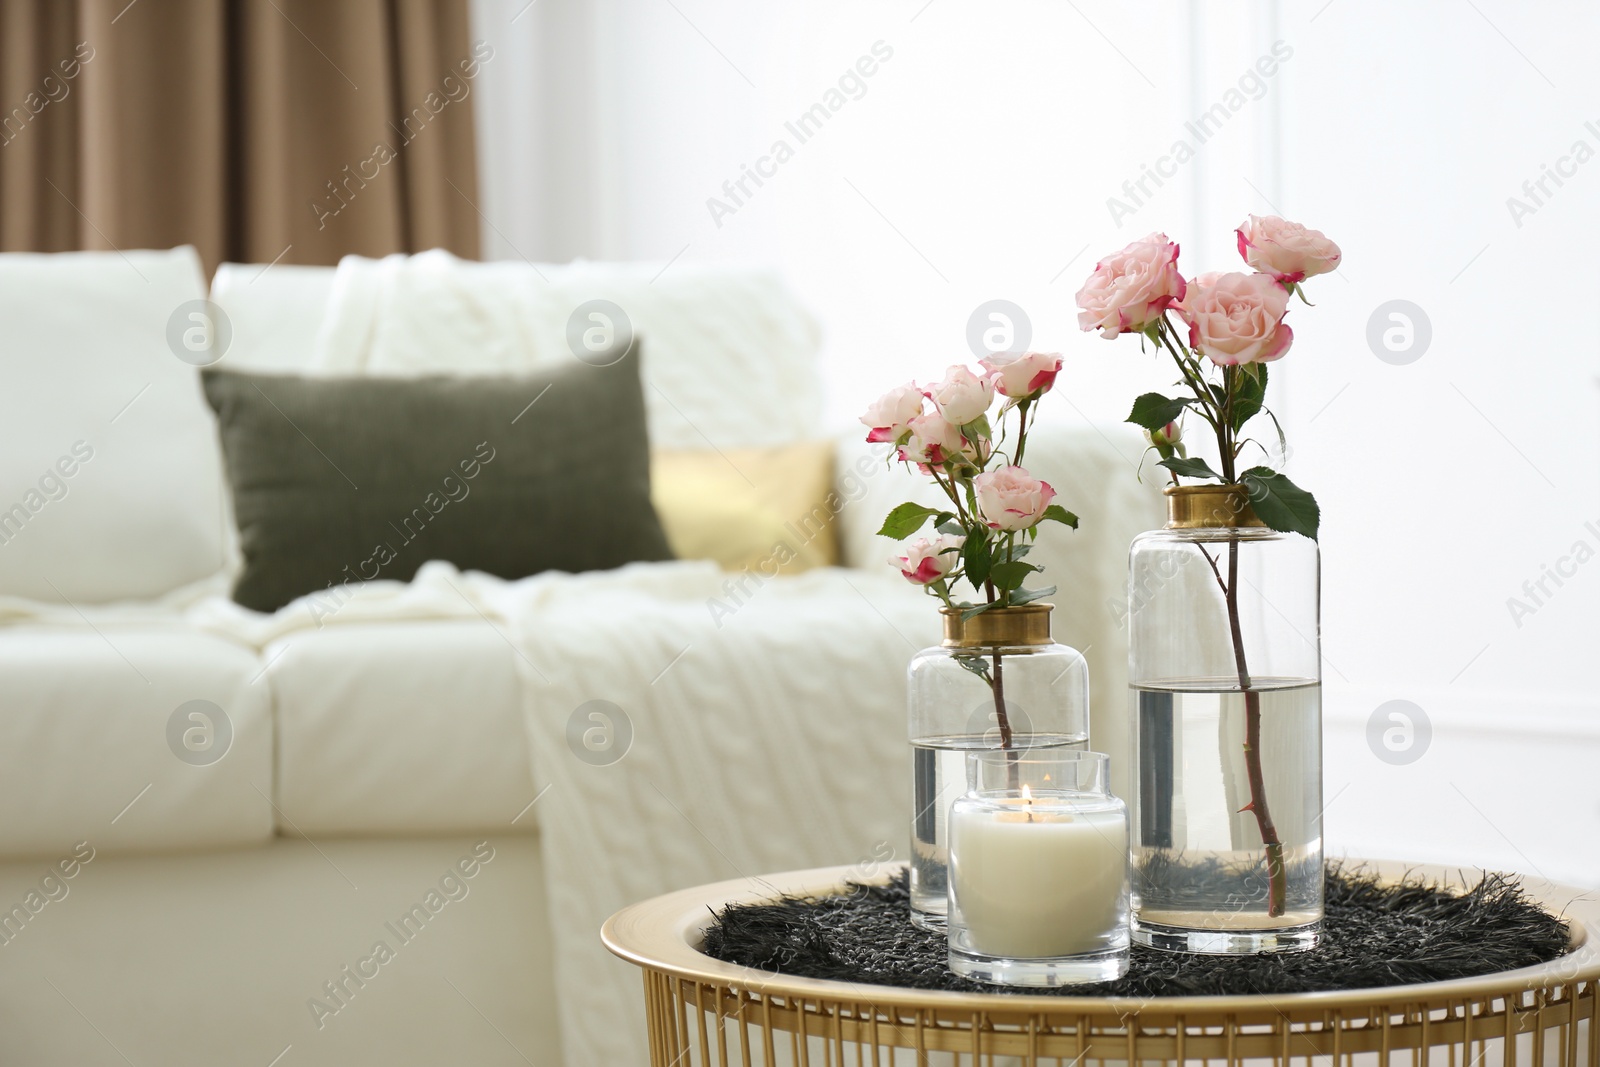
point(772, 510)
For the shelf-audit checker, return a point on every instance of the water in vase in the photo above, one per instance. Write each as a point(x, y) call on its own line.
point(1201, 877)
point(939, 776)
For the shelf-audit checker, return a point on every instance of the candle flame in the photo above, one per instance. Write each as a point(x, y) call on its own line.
point(1027, 796)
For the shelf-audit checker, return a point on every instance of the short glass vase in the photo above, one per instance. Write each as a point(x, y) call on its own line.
point(1001, 660)
point(1038, 871)
point(1224, 667)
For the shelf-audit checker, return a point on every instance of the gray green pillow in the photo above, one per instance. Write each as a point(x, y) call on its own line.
point(348, 479)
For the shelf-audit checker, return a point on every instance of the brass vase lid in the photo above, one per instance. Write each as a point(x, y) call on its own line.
point(1026, 624)
point(1223, 507)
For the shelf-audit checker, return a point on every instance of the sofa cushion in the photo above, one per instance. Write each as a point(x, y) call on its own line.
point(110, 485)
point(341, 480)
point(767, 509)
point(132, 739)
point(400, 728)
point(273, 314)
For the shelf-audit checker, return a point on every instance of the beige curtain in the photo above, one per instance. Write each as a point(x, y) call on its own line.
point(252, 129)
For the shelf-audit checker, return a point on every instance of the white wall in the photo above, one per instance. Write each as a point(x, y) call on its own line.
point(930, 194)
point(978, 164)
point(1450, 481)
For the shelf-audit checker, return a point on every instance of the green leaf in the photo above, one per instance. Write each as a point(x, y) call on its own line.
point(1018, 551)
point(976, 664)
point(1010, 575)
point(951, 527)
point(976, 559)
point(1189, 468)
point(1251, 391)
point(1028, 596)
point(1057, 513)
point(1153, 411)
point(1283, 443)
point(1281, 504)
point(969, 613)
point(905, 520)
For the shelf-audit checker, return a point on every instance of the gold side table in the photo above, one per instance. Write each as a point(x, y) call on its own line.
point(703, 1012)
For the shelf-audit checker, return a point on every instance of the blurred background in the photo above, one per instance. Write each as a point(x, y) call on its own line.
point(1449, 147)
point(1440, 400)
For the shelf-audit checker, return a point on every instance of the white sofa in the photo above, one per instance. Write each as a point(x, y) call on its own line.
point(210, 904)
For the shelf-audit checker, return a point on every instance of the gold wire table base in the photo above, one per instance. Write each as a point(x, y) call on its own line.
point(702, 1012)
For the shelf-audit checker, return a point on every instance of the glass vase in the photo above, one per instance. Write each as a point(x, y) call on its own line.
point(1038, 871)
point(1224, 668)
point(997, 681)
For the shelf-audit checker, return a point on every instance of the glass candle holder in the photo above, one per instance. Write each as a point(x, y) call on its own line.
point(1038, 871)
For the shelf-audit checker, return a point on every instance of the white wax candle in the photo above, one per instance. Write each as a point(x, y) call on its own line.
point(1035, 881)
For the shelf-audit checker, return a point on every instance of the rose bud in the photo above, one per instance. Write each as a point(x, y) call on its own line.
point(1022, 377)
point(1166, 440)
point(889, 416)
point(962, 396)
point(933, 441)
point(1286, 250)
point(926, 561)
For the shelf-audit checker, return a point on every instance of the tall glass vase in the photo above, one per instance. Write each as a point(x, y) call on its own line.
point(997, 681)
point(1224, 668)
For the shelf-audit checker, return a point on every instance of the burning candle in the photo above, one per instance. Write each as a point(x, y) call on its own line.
point(1038, 871)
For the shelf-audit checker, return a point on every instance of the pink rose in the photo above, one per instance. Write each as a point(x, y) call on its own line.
point(962, 396)
point(1286, 250)
point(1132, 288)
point(1011, 499)
point(924, 562)
point(934, 440)
point(1022, 376)
point(890, 415)
point(1237, 318)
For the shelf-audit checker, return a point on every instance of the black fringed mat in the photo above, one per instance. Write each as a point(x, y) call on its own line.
point(1373, 935)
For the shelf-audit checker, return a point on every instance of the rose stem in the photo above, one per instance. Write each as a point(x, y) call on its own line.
point(1000, 702)
point(1013, 772)
point(1276, 876)
point(999, 681)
